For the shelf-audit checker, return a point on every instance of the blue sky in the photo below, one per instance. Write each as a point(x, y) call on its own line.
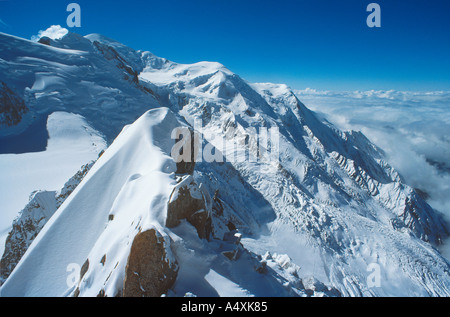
point(322, 44)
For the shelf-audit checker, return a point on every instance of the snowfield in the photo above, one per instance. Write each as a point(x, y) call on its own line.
point(71, 144)
point(328, 217)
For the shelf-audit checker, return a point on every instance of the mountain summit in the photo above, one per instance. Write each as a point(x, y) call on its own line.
point(288, 206)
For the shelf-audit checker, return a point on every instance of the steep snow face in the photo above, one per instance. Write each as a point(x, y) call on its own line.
point(32, 219)
point(124, 193)
point(326, 206)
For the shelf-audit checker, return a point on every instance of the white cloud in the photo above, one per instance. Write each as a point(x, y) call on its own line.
point(55, 32)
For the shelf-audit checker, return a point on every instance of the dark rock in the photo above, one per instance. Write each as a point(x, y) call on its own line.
point(261, 267)
point(148, 273)
point(25, 228)
point(188, 202)
point(12, 107)
point(233, 237)
point(45, 40)
point(84, 269)
point(103, 260)
point(101, 293)
point(232, 255)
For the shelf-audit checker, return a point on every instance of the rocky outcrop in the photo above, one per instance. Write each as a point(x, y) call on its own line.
point(25, 228)
point(112, 55)
point(72, 183)
point(421, 219)
point(314, 287)
point(12, 107)
point(149, 272)
point(129, 73)
point(45, 40)
point(31, 220)
point(190, 202)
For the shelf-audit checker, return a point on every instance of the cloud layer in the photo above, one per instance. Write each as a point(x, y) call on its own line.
point(413, 128)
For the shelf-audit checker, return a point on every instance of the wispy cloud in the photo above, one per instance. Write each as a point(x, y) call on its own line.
point(3, 24)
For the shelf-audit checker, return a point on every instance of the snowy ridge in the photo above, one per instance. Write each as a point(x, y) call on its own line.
point(71, 234)
point(311, 223)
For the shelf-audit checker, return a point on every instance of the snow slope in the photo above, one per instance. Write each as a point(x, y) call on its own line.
point(316, 220)
point(71, 144)
point(74, 75)
point(132, 167)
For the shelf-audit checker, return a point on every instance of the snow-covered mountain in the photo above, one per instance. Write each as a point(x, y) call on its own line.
point(325, 216)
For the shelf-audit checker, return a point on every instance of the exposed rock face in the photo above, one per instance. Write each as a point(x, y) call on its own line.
point(73, 182)
point(189, 201)
point(83, 271)
point(148, 272)
point(12, 107)
point(423, 222)
point(33, 217)
point(111, 54)
point(234, 238)
point(129, 73)
point(413, 213)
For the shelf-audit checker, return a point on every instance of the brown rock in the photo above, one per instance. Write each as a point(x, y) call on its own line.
point(148, 273)
point(84, 269)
